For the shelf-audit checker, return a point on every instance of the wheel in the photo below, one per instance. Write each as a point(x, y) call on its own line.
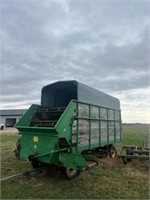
point(112, 151)
point(35, 164)
point(124, 160)
point(69, 173)
point(129, 152)
point(2, 127)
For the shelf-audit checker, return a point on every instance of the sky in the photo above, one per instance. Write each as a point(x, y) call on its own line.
point(102, 43)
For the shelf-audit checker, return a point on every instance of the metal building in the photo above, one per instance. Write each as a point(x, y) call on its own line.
point(8, 118)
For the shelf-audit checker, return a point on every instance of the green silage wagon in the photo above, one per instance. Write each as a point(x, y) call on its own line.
point(73, 126)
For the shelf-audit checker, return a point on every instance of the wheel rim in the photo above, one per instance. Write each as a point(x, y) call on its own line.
point(71, 172)
point(113, 153)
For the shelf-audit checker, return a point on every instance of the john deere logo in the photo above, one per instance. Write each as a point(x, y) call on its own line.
point(35, 139)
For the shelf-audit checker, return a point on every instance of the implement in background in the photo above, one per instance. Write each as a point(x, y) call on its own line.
point(128, 153)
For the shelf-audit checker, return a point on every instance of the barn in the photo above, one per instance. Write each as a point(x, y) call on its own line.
point(8, 118)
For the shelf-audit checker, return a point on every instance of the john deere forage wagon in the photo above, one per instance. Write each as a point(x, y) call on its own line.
point(73, 126)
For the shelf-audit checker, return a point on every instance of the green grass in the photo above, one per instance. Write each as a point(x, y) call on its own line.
point(132, 134)
point(110, 180)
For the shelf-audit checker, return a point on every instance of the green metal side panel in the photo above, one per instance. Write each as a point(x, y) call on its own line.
point(37, 141)
point(73, 160)
point(64, 125)
point(95, 126)
point(38, 144)
point(25, 119)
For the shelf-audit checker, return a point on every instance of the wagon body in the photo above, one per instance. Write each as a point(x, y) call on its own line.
point(72, 118)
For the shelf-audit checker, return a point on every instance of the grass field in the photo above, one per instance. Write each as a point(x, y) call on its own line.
point(110, 180)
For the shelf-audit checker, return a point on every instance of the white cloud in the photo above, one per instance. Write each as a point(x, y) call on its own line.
point(104, 44)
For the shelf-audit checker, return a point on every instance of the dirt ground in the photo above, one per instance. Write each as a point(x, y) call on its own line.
point(9, 131)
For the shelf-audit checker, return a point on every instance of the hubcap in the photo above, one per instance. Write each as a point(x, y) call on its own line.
point(71, 171)
point(113, 153)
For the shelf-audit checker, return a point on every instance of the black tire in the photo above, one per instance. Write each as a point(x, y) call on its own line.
point(35, 164)
point(129, 152)
point(69, 173)
point(124, 160)
point(112, 152)
point(2, 127)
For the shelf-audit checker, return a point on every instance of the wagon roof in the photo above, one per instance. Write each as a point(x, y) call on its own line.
point(78, 91)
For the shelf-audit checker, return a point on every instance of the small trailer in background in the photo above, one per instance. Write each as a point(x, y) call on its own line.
point(73, 126)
